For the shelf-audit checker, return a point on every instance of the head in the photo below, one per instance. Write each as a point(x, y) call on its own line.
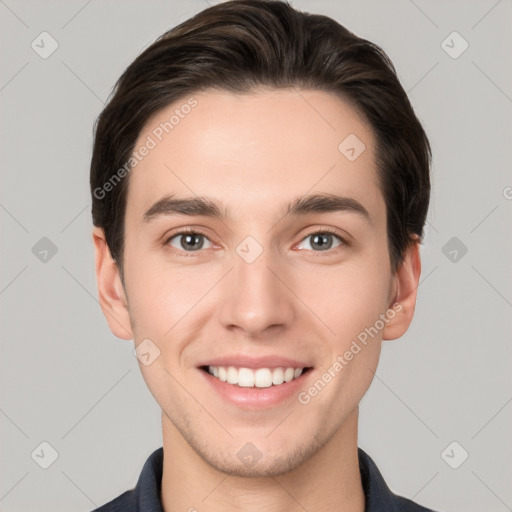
point(245, 125)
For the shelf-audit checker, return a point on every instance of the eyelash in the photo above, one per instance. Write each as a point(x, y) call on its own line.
point(188, 231)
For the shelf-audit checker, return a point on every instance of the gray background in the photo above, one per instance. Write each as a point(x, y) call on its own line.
point(66, 380)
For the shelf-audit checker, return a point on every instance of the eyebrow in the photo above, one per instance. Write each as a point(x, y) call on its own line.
point(304, 205)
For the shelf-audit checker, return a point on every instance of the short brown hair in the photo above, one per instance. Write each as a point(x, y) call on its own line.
point(239, 45)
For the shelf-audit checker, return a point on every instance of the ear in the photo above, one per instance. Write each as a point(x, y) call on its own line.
point(406, 285)
point(110, 288)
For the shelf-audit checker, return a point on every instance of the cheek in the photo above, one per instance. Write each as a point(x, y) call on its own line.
point(348, 299)
point(161, 295)
point(352, 381)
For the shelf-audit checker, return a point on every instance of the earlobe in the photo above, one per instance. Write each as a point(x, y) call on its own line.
point(110, 288)
point(406, 283)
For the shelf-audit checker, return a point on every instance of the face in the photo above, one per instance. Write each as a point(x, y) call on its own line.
point(257, 282)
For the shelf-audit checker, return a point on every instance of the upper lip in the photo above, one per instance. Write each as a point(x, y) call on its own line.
point(245, 361)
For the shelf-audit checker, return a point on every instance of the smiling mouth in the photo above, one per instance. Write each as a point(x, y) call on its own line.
point(258, 378)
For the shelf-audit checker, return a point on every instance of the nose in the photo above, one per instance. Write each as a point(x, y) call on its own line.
point(255, 299)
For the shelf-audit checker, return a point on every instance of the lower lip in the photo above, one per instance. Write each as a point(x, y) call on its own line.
point(256, 398)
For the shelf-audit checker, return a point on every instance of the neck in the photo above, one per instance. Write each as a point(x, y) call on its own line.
point(328, 481)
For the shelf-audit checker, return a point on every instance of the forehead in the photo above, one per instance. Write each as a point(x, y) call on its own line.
point(252, 151)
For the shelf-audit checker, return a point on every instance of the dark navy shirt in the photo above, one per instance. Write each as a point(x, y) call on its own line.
point(145, 497)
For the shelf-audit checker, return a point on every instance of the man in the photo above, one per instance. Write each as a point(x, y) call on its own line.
point(260, 185)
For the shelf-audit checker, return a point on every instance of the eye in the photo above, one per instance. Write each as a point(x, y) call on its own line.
point(322, 241)
point(188, 241)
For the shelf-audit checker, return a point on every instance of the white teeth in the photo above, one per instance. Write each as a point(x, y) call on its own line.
point(260, 378)
point(245, 378)
point(277, 376)
point(232, 375)
point(288, 374)
point(263, 378)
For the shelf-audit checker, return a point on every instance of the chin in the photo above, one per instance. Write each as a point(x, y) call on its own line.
point(250, 462)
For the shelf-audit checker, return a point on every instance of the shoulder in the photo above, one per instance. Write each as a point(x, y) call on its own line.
point(145, 496)
point(379, 497)
point(406, 505)
point(123, 503)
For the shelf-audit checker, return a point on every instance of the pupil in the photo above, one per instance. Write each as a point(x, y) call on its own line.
point(190, 239)
point(322, 241)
